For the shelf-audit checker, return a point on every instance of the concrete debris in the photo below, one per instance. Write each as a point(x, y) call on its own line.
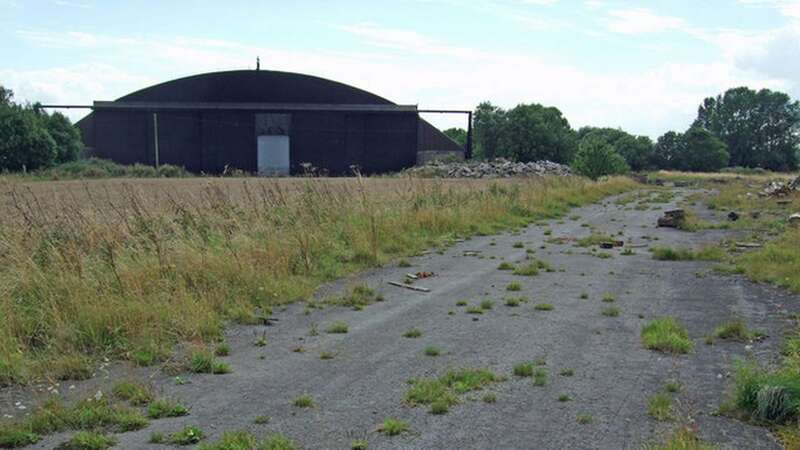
point(733, 216)
point(498, 168)
point(672, 219)
point(794, 220)
point(780, 188)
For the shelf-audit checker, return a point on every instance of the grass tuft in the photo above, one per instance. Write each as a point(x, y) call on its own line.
point(304, 401)
point(666, 335)
point(87, 440)
point(242, 440)
point(338, 327)
point(432, 351)
point(735, 329)
point(393, 427)
point(659, 407)
point(165, 408)
point(190, 435)
point(610, 311)
point(412, 333)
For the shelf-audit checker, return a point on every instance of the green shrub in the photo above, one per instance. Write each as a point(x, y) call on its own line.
point(596, 158)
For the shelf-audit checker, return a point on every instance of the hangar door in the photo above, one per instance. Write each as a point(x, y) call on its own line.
point(272, 144)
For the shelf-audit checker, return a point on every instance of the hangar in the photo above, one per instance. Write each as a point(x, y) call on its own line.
point(262, 121)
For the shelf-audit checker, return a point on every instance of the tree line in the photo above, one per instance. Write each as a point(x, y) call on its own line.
point(32, 139)
point(741, 127)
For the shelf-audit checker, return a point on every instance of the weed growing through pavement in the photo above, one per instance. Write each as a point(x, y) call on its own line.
point(87, 440)
point(610, 311)
point(393, 427)
point(261, 420)
point(161, 408)
point(514, 286)
point(540, 376)
point(304, 401)
point(187, 436)
point(136, 394)
point(222, 349)
point(412, 333)
point(203, 361)
point(445, 389)
point(523, 369)
point(432, 351)
point(667, 335)
point(659, 407)
point(505, 266)
point(338, 327)
point(261, 341)
point(735, 329)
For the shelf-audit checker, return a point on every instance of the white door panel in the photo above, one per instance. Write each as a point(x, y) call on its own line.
point(273, 155)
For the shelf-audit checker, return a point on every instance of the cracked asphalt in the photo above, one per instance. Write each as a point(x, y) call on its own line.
point(366, 380)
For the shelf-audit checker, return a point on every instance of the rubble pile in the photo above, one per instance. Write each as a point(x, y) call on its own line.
point(498, 168)
point(780, 188)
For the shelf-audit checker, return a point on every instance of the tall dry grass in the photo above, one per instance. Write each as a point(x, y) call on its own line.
point(127, 269)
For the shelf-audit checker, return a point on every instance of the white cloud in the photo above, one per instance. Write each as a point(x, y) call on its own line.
point(641, 20)
point(404, 66)
point(788, 8)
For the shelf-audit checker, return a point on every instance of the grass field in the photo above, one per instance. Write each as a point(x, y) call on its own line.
point(129, 268)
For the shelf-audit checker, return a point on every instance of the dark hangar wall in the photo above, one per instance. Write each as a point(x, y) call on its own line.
point(210, 141)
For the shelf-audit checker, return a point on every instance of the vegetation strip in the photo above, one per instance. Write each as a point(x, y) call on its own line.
point(123, 275)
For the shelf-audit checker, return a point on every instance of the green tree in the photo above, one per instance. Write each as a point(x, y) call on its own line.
point(701, 151)
point(31, 139)
point(24, 142)
point(760, 128)
point(637, 150)
point(667, 151)
point(6, 95)
point(535, 132)
point(66, 136)
point(459, 135)
point(597, 158)
point(488, 123)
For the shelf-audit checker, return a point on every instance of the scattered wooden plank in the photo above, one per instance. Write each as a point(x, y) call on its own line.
point(748, 245)
point(408, 286)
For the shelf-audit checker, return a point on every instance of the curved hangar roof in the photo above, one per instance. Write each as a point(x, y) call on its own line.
point(254, 86)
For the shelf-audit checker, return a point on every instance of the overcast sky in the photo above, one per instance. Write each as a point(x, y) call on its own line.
point(643, 66)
